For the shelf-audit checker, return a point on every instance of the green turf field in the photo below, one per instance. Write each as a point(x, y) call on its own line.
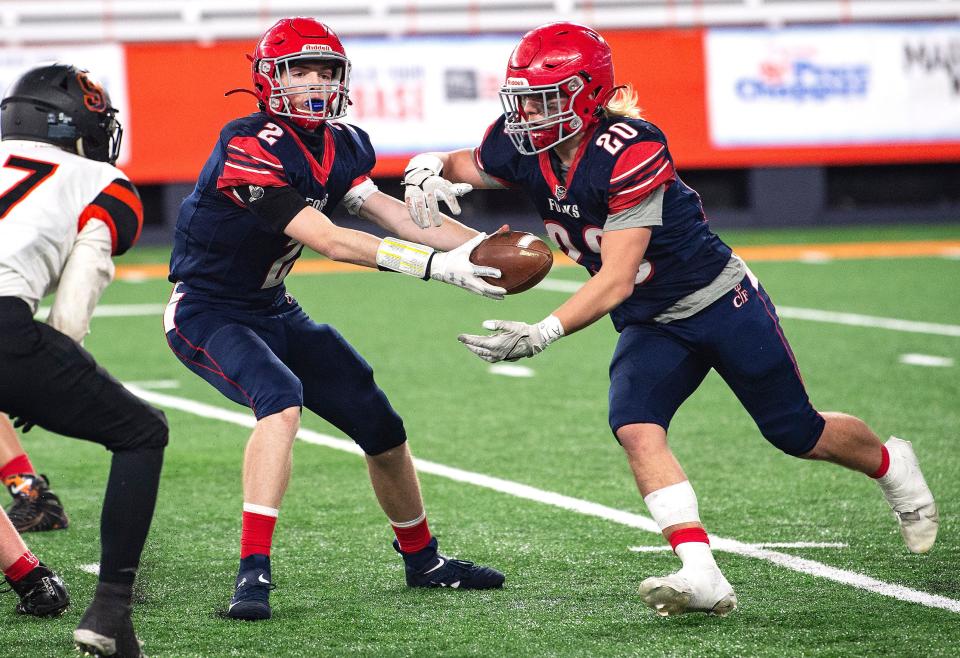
point(571, 577)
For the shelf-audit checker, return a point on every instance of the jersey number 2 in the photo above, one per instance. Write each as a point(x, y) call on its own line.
point(39, 172)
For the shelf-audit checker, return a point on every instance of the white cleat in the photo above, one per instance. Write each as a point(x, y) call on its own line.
point(689, 590)
point(909, 496)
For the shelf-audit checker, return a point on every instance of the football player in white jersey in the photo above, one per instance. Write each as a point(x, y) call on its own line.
point(64, 211)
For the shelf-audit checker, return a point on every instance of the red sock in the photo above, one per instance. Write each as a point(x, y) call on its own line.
point(256, 534)
point(884, 463)
point(24, 565)
point(684, 535)
point(414, 535)
point(19, 465)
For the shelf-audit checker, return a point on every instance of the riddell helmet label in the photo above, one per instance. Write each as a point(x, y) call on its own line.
point(315, 47)
point(517, 82)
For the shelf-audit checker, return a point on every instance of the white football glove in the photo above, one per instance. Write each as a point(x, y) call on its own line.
point(424, 188)
point(513, 340)
point(454, 267)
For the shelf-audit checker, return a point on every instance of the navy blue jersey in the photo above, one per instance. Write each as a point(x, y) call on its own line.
point(618, 165)
point(224, 250)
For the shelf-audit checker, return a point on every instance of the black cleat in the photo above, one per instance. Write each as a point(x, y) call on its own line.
point(35, 508)
point(251, 599)
point(42, 593)
point(105, 631)
point(427, 568)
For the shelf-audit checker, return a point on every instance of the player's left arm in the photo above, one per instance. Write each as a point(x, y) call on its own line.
point(392, 215)
point(109, 225)
point(622, 254)
point(88, 271)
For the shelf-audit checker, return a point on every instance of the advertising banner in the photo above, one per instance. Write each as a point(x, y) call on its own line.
point(833, 85)
point(426, 93)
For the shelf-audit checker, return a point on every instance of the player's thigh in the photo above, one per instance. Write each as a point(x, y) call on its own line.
point(338, 385)
point(753, 356)
point(59, 386)
point(236, 360)
point(651, 374)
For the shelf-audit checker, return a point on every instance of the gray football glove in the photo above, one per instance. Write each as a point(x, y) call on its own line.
point(513, 340)
point(424, 188)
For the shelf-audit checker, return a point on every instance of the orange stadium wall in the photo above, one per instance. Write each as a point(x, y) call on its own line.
point(177, 107)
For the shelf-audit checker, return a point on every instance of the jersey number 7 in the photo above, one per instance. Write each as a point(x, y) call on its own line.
point(39, 172)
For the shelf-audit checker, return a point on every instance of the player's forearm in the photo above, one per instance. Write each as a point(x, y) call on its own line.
point(595, 299)
point(87, 272)
point(392, 215)
point(315, 230)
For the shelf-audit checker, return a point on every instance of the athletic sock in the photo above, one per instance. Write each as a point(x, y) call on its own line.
point(18, 475)
point(884, 463)
point(692, 546)
point(19, 569)
point(412, 536)
point(256, 534)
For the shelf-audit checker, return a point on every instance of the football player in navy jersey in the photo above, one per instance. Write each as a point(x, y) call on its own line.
point(604, 183)
point(260, 198)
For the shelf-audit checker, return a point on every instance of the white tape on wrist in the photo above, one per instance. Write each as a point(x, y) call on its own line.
point(431, 163)
point(357, 194)
point(404, 257)
point(550, 329)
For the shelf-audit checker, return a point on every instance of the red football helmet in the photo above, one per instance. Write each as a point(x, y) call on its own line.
point(566, 70)
point(297, 41)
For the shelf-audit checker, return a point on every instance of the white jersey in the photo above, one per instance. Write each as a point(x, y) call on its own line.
point(48, 198)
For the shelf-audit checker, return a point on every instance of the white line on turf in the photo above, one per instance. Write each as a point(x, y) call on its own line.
point(91, 568)
point(775, 544)
point(926, 360)
point(510, 370)
point(585, 507)
point(115, 310)
point(812, 314)
point(157, 383)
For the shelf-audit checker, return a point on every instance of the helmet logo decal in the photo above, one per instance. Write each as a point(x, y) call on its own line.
point(264, 67)
point(93, 97)
point(517, 82)
point(316, 47)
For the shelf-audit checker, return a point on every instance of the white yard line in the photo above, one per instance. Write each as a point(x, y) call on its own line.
point(510, 370)
point(585, 507)
point(775, 544)
point(812, 314)
point(927, 360)
point(116, 310)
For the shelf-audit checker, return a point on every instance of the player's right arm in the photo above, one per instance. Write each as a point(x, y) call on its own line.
point(285, 210)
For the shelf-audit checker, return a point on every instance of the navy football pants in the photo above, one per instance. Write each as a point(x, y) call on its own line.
point(274, 358)
point(657, 366)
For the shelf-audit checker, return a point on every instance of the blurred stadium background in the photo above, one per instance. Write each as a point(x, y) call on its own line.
point(780, 112)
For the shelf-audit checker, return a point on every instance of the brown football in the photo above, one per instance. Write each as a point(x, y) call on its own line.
point(522, 258)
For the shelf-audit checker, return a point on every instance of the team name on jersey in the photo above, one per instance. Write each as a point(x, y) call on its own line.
point(318, 203)
point(570, 209)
